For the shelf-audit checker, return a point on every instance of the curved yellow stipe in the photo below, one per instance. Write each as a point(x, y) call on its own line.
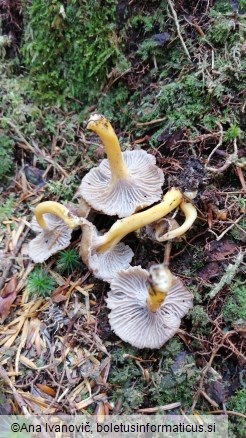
point(102, 127)
point(190, 213)
point(122, 227)
point(56, 209)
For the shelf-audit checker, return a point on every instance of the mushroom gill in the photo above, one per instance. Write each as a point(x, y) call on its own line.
point(131, 317)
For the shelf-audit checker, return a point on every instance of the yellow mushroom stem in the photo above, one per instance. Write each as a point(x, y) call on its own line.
point(159, 284)
point(138, 220)
point(190, 216)
point(56, 209)
point(102, 127)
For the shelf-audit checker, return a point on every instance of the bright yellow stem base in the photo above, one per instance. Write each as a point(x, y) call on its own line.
point(138, 220)
point(102, 127)
point(56, 209)
point(155, 299)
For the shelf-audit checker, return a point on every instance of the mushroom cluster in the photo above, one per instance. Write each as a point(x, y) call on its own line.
point(145, 307)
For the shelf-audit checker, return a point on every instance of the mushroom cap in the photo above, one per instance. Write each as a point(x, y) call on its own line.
point(104, 265)
point(130, 318)
point(54, 238)
point(141, 188)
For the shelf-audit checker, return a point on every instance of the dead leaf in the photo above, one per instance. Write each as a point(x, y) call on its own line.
point(33, 337)
point(219, 250)
point(7, 297)
point(46, 389)
point(27, 362)
point(216, 390)
point(209, 271)
point(60, 293)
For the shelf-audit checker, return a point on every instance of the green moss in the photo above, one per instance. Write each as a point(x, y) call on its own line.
point(200, 320)
point(221, 30)
point(172, 373)
point(68, 261)
point(233, 132)
point(6, 209)
point(235, 305)
point(64, 190)
point(176, 375)
point(40, 283)
point(125, 380)
point(237, 424)
point(61, 51)
point(6, 155)
point(114, 105)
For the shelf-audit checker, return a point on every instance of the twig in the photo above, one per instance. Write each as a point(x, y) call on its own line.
point(219, 143)
point(151, 122)
point(231, 159)
point(36, 150)
point(11, 260)
point(218, 411)
point(175, 17)
point(210, 400)
point(167, 253)
point(17, 396)
point(228, 276)
point(160, 408)
point(241, 177)
point(203, 374)
point(227, 229)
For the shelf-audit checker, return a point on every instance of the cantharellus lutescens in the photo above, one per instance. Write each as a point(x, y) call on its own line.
point(53, 223)
point(123, 183)
point(146, 307)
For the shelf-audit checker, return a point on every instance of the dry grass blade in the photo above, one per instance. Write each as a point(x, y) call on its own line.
point(17, 395)
point(160, 408)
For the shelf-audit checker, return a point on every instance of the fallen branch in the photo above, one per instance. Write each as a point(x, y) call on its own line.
point(218, 144)
point(18, 398)
point(227, 229)
point(12, 259)
point(218, 411)
point(231, 159)
point(228, 276)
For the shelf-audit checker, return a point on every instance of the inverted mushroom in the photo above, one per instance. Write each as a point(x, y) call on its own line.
point(146, 308)
point(53, 223)
point(124, 182)
point(103, 264)
point(103, 254)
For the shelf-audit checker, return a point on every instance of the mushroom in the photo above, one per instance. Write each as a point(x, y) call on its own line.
point(104, 255)
point(103, 264)
point(190, 213)
point(124, 182)
point(53, 223)
point(147, 307)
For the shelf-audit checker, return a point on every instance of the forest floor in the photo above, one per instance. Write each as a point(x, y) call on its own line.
point(56, 345)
